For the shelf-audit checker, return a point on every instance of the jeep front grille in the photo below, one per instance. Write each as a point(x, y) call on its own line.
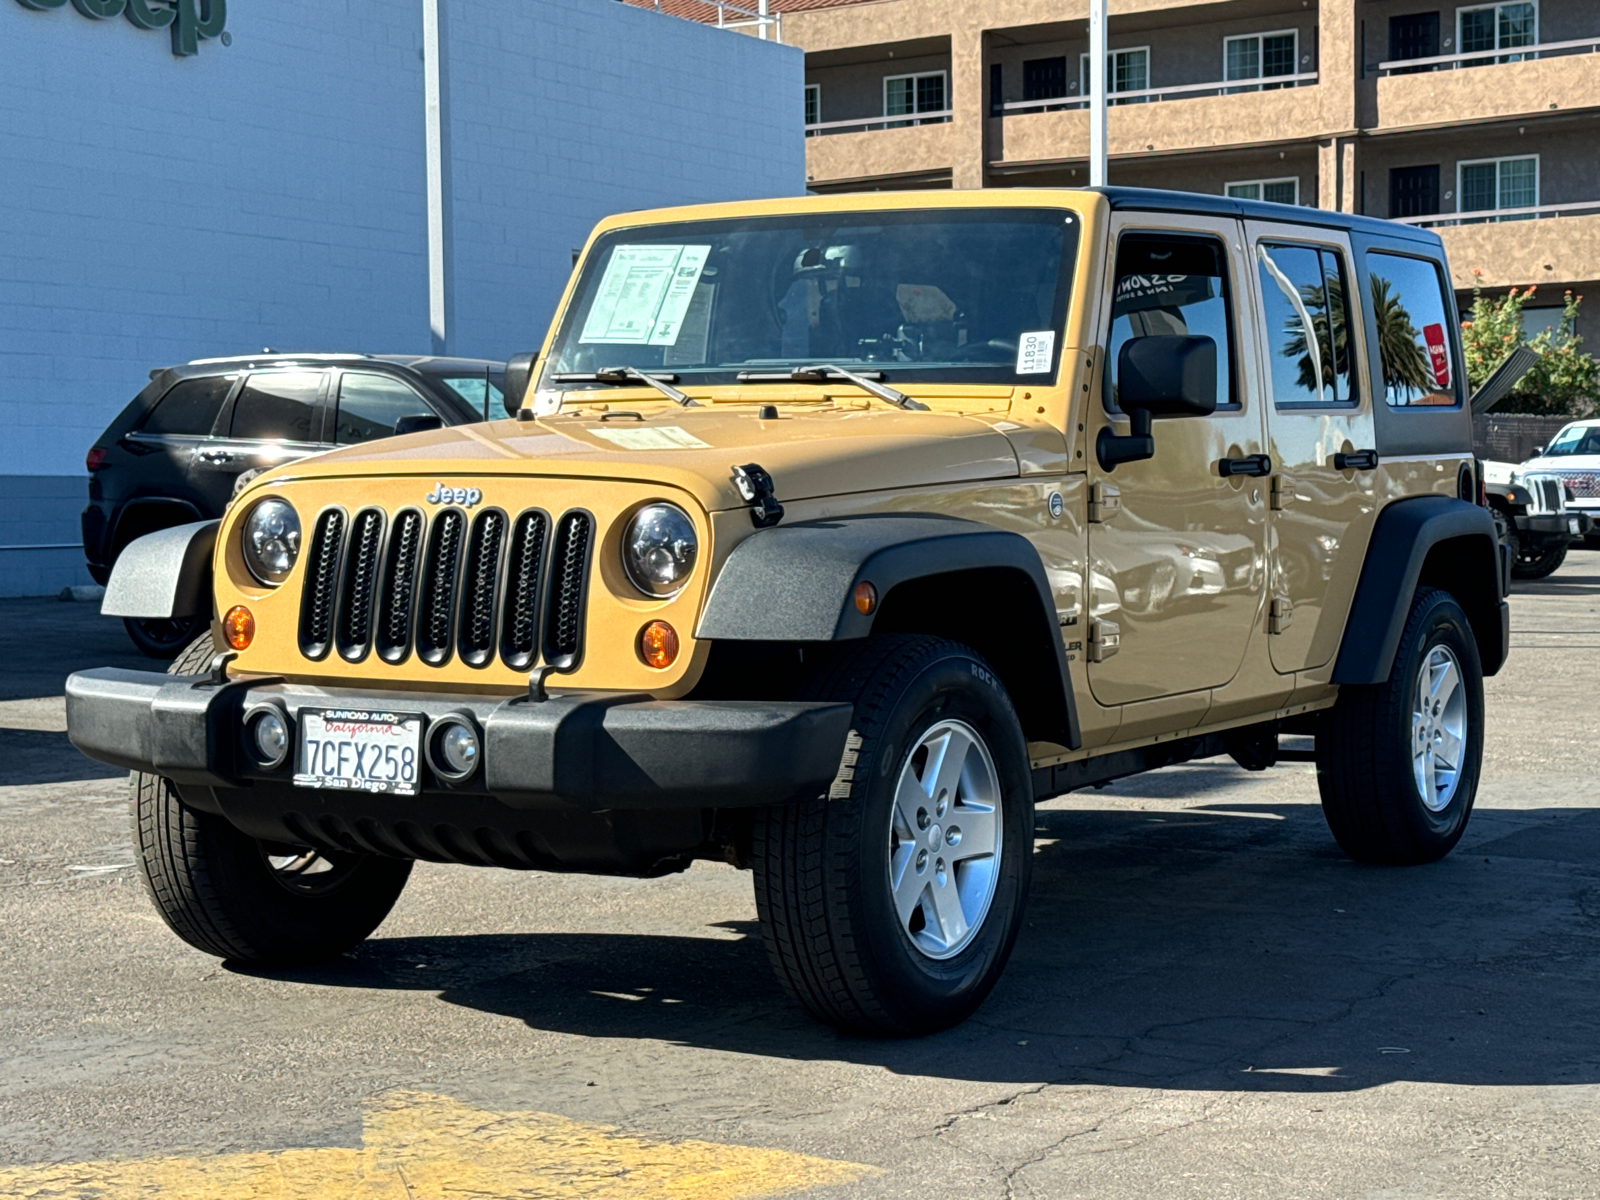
point(450, 587)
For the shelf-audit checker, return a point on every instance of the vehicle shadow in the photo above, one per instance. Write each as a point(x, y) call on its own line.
point(1213, 948)
point(42, 641)
point(29, 756)
point(1566, 582)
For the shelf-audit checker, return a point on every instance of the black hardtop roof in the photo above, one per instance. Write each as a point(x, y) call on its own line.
point(1163, 200)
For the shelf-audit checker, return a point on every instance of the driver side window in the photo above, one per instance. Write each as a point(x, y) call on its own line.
point(1171, 284)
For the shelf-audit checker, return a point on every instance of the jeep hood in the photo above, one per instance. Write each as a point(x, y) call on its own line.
point(810, 452)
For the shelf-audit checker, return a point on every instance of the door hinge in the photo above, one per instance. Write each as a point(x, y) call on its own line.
point(1105, 639)
point(1282, 492)
point(1105, 501)
point(1280, 614)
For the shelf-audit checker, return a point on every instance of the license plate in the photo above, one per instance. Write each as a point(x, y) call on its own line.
point(1572, 524)
point(359, 750)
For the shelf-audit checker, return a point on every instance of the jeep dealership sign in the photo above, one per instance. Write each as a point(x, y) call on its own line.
point(189, 20)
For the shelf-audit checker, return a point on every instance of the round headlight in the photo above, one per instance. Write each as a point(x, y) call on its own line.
point(271, 539)
point(659, 548)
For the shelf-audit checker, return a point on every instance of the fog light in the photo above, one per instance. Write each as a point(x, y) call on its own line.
point(239, 627)
point(658, 645)
point(267, 736)
point(454, 749)
point(866, 597)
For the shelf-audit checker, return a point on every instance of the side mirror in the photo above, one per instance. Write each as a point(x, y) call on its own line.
point(519, 373)
point(417, 423)
point(1163, 376)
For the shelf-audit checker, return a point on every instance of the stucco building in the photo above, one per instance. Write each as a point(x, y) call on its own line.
point(1410, 109)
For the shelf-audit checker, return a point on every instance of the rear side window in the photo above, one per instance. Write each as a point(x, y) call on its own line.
point(277, 406)
point(1304, 304)
point(1414, 345)
point(369, 406)
point(1172, 285)
point(190, 407)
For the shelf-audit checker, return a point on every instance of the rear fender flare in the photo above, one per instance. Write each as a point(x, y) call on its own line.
point(1425, 541)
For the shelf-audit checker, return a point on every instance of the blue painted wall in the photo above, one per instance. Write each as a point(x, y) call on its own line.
point(272, 192)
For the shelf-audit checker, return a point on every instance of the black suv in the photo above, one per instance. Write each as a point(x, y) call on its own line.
point(177, 453)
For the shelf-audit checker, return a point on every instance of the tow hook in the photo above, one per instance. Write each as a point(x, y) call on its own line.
point(757, 488)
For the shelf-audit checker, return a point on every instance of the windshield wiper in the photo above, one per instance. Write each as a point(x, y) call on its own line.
point(821, 374)
point(661, 383)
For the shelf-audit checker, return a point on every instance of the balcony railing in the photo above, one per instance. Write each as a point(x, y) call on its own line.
point(729, 16)
point(1181, 91)
point(820, 128)
point(1481, 216)
point(1479, 58)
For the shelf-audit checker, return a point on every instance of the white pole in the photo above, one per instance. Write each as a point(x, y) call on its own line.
point(436, 117)
point(1097, 93)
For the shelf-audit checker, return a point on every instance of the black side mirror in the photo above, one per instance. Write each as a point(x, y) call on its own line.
point(1163, 376)
point(519, 373)
point(417, 423)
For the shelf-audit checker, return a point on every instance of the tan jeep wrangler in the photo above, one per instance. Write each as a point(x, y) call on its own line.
point(831, 534)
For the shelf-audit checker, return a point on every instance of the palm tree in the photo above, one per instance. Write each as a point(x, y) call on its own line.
point(1405, 369)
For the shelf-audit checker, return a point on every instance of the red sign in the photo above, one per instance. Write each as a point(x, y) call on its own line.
point(1438, 356)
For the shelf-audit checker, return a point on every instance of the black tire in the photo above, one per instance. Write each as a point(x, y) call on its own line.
point(219, 892)
point(1370, 794)
point(164, 639)
point(1529, 563)
point(822, 885)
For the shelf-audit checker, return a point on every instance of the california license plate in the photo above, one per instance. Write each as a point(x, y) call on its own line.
point(359, 750)
point(1572, 524)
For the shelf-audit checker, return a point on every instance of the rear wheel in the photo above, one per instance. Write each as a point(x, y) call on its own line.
point(164, 639)
point(891, 905)
point(231, 895)
point(1398, 762)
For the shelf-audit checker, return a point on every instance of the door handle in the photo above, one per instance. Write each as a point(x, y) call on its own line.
point(215, 456)
point(1251, 464)
point(1356, 460)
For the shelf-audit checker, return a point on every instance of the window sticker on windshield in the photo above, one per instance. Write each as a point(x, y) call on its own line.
point(1035, 352)
point(653, 437)
point(644, 295)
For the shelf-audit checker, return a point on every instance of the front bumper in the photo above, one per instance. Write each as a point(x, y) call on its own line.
point(1569, 525)
point(557, 778)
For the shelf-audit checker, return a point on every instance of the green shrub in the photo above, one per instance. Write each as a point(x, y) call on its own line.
point(1564, 382)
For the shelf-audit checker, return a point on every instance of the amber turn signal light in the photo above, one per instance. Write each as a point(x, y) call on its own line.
point(658, 645)
point(239, 627)
point(866, 597)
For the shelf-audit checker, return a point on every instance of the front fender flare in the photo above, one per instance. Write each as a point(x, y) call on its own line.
point(795, 583)
point(163, 575)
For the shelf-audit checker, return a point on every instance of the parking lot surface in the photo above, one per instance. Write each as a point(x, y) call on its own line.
point(1208, 1000)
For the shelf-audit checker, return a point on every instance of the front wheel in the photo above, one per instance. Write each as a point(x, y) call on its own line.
point(1535, 562)
point(166, 638)
point(890, 906)
point(230, 895)
point(1398, 761)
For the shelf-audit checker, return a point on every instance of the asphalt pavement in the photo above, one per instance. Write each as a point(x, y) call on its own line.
point(1208, 1000)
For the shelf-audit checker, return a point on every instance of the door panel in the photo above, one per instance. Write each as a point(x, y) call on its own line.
point(275, 418)
point(1178, 565)
point(1319, 421)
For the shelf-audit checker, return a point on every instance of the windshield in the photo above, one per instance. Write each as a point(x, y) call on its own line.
point(920, 297)
point(1574, 439)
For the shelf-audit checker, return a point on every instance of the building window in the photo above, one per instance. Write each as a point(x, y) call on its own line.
point(1260, 56)
point(1126, 71)
point(1414, 191)
point(1273, 191)
point(813, 103)
point(1497, 27)
point(1498, 183)
point(921, 93)
point(1044, 78)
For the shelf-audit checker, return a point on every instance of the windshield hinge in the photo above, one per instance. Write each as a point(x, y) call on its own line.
point(757, 488)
